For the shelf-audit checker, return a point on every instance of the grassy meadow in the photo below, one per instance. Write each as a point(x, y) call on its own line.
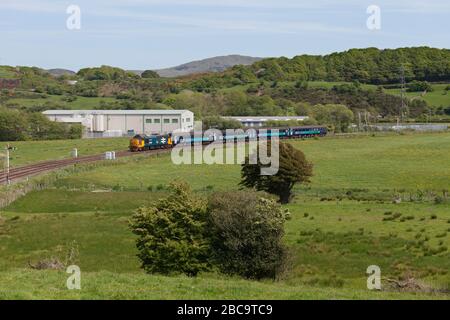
point(343, 222)
point(28, 152)
point(438, 97)
point(55, 101)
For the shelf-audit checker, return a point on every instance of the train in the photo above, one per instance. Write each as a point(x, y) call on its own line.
point(166, 141)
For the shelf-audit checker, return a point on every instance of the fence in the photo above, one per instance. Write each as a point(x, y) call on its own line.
point(413, 127)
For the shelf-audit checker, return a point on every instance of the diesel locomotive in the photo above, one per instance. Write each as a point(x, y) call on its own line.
point(166, 141)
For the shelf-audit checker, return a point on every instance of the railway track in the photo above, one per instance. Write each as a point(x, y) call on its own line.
point(24, 172)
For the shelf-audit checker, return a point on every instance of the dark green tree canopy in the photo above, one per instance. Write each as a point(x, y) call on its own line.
point(419, 86)
point(149, 74)
point(247, 234)
point(293, 169)
point(172, 235)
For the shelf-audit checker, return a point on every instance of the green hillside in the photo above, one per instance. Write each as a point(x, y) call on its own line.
point(362, 80)
point(7, 72)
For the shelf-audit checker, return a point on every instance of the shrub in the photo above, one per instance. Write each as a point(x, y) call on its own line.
point(149, 74)
point(172, 236)
point(419, 86)
point(247, 234)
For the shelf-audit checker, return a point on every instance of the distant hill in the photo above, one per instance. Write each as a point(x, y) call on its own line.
point(60, 72)
point(216, 64)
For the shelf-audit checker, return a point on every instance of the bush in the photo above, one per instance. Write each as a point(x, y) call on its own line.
point(13, 125)
point(149, 74)
point(172, 235)
point(419, 86)
point(247, 234)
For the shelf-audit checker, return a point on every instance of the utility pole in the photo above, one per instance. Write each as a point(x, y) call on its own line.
point(403, 106)
point(359, 121)
point(7, 165)
point(402, 92)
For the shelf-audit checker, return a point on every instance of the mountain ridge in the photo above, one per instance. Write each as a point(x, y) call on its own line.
point(214, 64)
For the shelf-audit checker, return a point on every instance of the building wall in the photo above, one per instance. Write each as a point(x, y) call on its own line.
point(138, 123)
point(134, 123)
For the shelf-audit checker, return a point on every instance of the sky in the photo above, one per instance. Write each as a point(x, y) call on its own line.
point(152, 34)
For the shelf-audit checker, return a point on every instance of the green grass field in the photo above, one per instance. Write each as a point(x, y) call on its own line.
point(81, 103)
point(438, 97)
point(7, 72)
point(341, 223)
point(35, 151)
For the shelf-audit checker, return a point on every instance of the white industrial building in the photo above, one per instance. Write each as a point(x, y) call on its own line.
point(109, 123)
point(261, 121)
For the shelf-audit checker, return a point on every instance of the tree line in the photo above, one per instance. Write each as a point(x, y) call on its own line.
point(16, 125)
point(371, 65)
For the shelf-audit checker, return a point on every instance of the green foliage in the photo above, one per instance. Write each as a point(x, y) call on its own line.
point(200, 104)
point(239, 232)
point(220, 123)
point(293, 169)
point(150, 74)
point(290, 123)
point(7, 72)
point(87, 88)
point(369, 65)
point(12, 125)
point(245, 75)
point(16, 126)
point(247, 234)
point(338, 116)
point(419, 86)
point(105, 73)
point(172, 237)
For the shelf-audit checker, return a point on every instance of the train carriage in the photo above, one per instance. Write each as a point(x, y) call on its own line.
point(144, 143)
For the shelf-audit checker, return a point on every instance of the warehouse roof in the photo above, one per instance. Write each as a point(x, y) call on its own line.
point(116, 112)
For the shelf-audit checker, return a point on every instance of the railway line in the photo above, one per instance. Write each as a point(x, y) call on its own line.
point(24, 172)
point(20, 173)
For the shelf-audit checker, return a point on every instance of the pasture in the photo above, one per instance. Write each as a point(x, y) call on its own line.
point(58, 102)
point(436, 98)
point(28, 152)
point(344, 221)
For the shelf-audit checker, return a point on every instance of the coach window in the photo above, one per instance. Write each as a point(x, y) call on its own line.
point(174, 120)
point(166, 120)
point(157, 121)
point(148, 121)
